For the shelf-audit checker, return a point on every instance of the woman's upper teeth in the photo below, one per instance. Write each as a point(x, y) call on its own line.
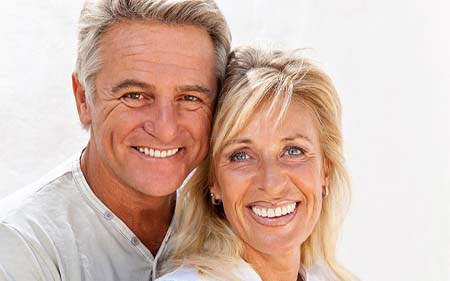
point(274, 212)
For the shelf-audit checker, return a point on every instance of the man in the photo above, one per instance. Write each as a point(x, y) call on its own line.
point(145, 85)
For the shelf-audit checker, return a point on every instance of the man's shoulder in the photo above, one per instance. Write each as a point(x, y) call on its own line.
point(27, 225)
point(40, 195)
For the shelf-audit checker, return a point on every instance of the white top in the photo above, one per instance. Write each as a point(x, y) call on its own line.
point(58, 229)
point(244, 271)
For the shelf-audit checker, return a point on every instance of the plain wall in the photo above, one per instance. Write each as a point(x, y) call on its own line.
point(389, 60)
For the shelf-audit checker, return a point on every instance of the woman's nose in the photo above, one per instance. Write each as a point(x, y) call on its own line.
point(273, 180)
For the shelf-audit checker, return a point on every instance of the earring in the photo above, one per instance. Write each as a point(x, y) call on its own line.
point(214, 200)
point(325, 193)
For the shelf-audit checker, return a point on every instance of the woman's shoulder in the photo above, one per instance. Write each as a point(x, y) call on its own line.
point(244, 271)
point(241, 270)
point(319, 272)
point(181, 274)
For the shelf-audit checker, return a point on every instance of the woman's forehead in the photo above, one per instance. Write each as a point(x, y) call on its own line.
point(296, 120)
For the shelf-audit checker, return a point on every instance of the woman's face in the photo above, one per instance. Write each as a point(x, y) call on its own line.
point(270, 180)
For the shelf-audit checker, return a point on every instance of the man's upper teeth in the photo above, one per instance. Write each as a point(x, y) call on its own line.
point(156, 152)
point(274, 212)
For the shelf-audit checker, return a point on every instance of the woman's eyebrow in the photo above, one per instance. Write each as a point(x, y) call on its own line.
point(298, 136)
point(236, 141)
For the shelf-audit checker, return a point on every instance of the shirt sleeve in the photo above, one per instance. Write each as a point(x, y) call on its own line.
point(22, 258)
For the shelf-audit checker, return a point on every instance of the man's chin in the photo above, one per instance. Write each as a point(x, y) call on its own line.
point(157, 187)
point(154, 177)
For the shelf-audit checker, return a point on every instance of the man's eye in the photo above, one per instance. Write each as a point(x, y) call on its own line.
point(191, 98)
point(239, 156)
point(134, 96)
point(135, 99)
point(293, 151)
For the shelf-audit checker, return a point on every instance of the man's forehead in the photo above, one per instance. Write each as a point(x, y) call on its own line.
point(145, 34)
point(148, 43)
point(178, 57)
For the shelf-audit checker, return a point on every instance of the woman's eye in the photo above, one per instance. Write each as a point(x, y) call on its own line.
point(293, 151)
point(239, 156)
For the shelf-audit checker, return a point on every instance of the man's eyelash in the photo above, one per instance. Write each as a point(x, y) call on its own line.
point(133, 95)
point(191, 98)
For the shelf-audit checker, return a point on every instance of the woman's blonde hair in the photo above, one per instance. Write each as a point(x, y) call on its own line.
point(263, 80)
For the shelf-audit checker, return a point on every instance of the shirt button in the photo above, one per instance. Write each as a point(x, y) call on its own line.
point(134, 241)
point(108, 215)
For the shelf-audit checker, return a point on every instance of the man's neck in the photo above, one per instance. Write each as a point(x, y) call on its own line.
point(148, 217)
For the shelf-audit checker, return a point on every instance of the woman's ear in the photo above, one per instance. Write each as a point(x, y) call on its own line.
point(83, 107)
point(215, 191)
point(325, 172)
point(216, 196)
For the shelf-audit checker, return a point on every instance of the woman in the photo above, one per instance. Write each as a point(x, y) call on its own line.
point(268, 202)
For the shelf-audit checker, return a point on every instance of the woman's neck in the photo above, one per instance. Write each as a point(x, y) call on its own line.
point(277, 266)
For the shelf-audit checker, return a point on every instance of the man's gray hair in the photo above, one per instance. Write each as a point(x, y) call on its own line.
point(97, 17)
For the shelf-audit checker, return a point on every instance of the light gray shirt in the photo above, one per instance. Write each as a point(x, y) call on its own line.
point(58, 229)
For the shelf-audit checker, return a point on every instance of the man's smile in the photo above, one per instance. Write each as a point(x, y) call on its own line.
point(157, 153)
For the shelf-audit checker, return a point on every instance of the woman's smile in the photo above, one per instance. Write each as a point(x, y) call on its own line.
point(274, 216)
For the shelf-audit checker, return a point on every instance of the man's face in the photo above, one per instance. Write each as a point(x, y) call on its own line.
point(151, 113)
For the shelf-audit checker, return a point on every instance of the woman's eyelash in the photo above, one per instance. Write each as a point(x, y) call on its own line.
point(290, 151)
point(238, 156)
point(294, 151)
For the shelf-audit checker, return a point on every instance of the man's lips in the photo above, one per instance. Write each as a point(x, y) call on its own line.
point(157, 153)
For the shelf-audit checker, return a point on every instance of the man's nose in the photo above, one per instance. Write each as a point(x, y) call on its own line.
point(163, 122)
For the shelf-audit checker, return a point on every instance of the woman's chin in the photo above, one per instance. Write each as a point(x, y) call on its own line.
point(274, 235)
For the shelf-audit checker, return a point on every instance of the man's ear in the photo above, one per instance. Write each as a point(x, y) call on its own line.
point(83, 107)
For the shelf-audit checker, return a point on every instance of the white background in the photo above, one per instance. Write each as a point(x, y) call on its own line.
point(389, 59)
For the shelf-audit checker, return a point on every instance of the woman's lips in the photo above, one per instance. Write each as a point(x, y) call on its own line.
point(275, 211)
point(274, 216)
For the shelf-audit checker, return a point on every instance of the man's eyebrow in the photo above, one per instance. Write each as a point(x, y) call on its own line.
point(131, 83)
point(194, 88)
